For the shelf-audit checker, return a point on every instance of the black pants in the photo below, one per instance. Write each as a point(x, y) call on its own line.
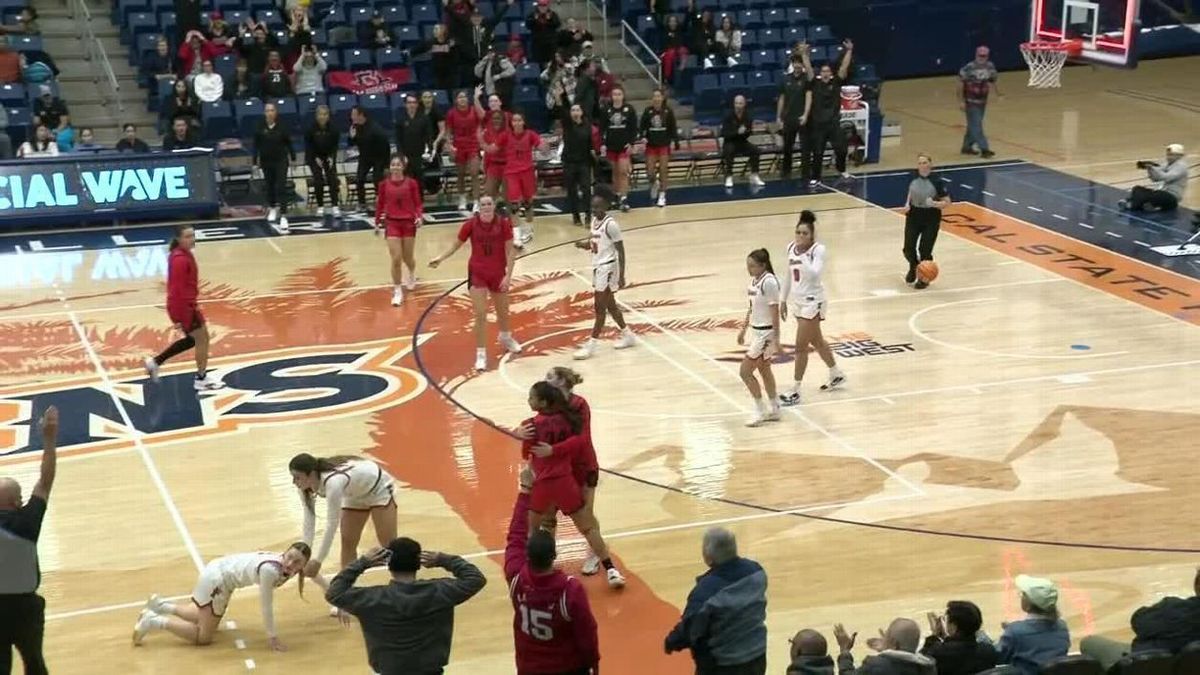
point(734, 148)
point(920, 234)
point(414, 167)
point(577, 181)
point(378, 170)
point(756, 667)
point(1140, 196)
point(275, 182)
point(821, 133)
point(22, 625)
point(324, 174)
point(793, 133)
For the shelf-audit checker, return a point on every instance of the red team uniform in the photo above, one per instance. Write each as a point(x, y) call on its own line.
point(554, 630)
point(554, 485)
point(519, 180)
point(398, 205)
point(464, 129)
point(493, 161)
point(489, 250)
point(585, 468)
point(183, 289)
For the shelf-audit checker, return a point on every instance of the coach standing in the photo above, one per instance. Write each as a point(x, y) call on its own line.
point(825, 121)
point(792, 109)
point(976, 80)
point(374, 153)
point(922, 218)
point(273, 154)
point(22, 610)
point(580, 145)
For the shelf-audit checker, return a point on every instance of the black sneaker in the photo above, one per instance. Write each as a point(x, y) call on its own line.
point(789, 399)
point(911, 276)
point(987, 154)
point(576, 221)
point(624, 205)
point(921, 285)
point(969, 151)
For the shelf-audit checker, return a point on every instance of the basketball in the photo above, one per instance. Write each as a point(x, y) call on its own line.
point(927, 271)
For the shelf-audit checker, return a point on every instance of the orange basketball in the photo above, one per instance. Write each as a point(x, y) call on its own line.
point(927, 271)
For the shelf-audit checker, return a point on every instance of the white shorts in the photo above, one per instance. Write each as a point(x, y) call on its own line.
point(808, 307)
point(209, 592)
point(380, 495)
point(758, 339)
point(606, 277)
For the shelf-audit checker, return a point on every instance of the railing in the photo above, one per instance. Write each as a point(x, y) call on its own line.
point(94, 53)
point(598, 8)
point(655, 60)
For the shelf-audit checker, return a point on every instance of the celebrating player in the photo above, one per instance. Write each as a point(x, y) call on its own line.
point(555, 488)
point(804, 296)
point(553, 627)
point(619, 129)
point(183, 290)
point(584, 465)
point(489, 271)
point(608, 275)
point(520, 180)
point(196, 622)
point(762, 320)
point(490, 132)
point(463, 124)
point(354, 489)
point(398, 210)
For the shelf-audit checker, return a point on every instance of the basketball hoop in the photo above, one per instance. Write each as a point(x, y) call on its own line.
point(1046, 61)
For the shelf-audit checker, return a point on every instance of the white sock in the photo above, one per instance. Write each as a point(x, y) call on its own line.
point(761, 405)
point(167, 608)
point(795, 387)
point(397, 288)
point(834, 371)
point(774, 404)
point(480, 352)
point(158, 622)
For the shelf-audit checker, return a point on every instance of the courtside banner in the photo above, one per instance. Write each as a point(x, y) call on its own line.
point(79, 188)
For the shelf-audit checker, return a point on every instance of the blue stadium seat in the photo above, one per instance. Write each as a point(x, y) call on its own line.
point(711, 5)
point(834, 53)
point(249, 114)
point(306, 108)
point(731, 6)
point(864, 71)
point(423, 14)
point(261, 5)
point(358, 16)
point(339, 107)
point(441, 100)
point(143, 46)
point(520, 29)
point(793, 34)
point(732, 84)
point(270, 17)
point(332, 58)
point(775, 18)
point(766, 59)
point(764, 90)
point(19, 121)
point(797, 15)
point(165, 86)
point(749, 19)
point(281, 39)
point(225, 65)
point(217, 120)
point(379, 108)
point(527, 97)
point(818, 54)
point(684, 76)
point(744, 64)
point(236, 17)
point(394, 14)
point(407, 36)
point(288, 113)
point(166, 24)
point(136, 24)
point(750, 39)
point(390, 58)
point(708, 92)
point(225, 6)
point(771, 38)
point(820, 34)
point(758, 4)
point(123, 8)
point(358, 59)
point(527, 73)
point(648, 29)
point(679, 7)
point(12, 95)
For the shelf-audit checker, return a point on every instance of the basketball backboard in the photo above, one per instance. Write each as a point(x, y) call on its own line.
point(1107, 28)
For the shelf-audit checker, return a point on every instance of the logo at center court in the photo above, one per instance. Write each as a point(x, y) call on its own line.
point(844, 346)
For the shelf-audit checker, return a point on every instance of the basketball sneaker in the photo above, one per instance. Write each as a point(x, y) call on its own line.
point(836, 379)
point(272, 215)
point(615, 580)
point(462, 202)
point(397, 296)
point(282, 226)
point(774, 414)
point(921, 285)
point(911, 277)
point(757, 419)
point(987, 154)
point(509, 344)
point(654, 192)
point(156, 605)
point(320, 211)
point(337, 212)
point(756, 181)
point(151, 368)
point(207, 383)
point(411, 283)
point(591, 565)
point(789, 398)
point(147, 621)
point(728, 181)
point(586, 350)
point(662, 199)
point(624, 203)
point(480, 360)
point(627, 339)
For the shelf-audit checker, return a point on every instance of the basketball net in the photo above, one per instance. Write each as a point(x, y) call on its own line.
point(1046, 61)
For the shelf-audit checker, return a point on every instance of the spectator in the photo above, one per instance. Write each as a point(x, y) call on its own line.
point(276, 83)
point(160, 64)
point(457, 18)
point(1172, 179)
point(954, 642)
point(496, 72)
point(572, 37)
point(26, 23)
point(42, 145)
point(273, 154)
point(1169, 624)
point(724, 622)
point(408, 625)
point(50, 110)
point(588, 52)
point(658, 11)
point(735, 138)
point(208, 85)
point(187, 19)
point(299, 33)
point(559, 81)
point(10, 64)
point(562, 637)
point(800, 59)
point(729, 43)
point(897, 651)
point(6, 147)
point(192, 53)
point(219, 35)
point(320, 151)
point(1039, 637)
point(243, 84)
point(578, 152)
point(376, 33)
point(437, 119)
point(65, 138)
point(87, 141)
point(543, 27)
point(477, 44)
point(374, 152)
point(674, 48)
point(309, 75)
point(702, 34)
point(130, 142)
point(181, 104)
point(22, 610)
point(516, 50)
point(976, 80)
point(443, 56)
point(810, 654)
point(587, 90)
point(414, 137)
point(825, 120)
point(256, 48)
point(181, 136)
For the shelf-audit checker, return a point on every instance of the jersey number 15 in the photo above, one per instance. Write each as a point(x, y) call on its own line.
point(536, 623)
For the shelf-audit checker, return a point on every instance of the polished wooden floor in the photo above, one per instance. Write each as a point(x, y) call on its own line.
point(1020, 422)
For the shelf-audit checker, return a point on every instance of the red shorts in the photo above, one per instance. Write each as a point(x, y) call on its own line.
point(485, 278)
point(397, 228)
point(618, 155)
point(463, 156)
point(561, 493)
point(519, 187)
point(187, 316)
point(658, 151)
point(493, 170)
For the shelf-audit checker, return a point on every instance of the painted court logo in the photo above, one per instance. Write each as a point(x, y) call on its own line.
point(275, 387)
point(844, 346)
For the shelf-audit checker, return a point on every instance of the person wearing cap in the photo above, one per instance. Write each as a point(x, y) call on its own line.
point(50, 110)
point(407, 624)
point(1169, 624)
point(810, 654)
point(975, 80)
point(474, 42)
point(543, 27)
point(219, 35)
point(1172, 180)
point(1039, 637)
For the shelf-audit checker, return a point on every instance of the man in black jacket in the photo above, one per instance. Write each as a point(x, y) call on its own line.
point(792, 109)
point(408, 625)
point(414, 137)
point(1170, 624)
point(825, 121)
point(181, 136)
point(474, 43)
point(810, 654)
point(897, 652)
point(579, 146)
point(735, 137)
point(374, 153)
point(543, 27)
point(953, 641)
point(273, 154)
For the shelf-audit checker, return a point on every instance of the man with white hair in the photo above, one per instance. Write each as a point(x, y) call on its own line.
point(724, 622)
point(1172, 179)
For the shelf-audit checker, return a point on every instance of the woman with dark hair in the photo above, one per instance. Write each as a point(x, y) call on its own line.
point(41, 145)
point(922, 218)
point(702, 34)
point(674, 48)
point(463, 122)
point(517, 145)
point(443, 55)
point(320, 150)
point(273, 155)
point(355, 489)
point(804, 295)
point(398, 212)
point(491, 129)
point(196, 621)
point(181, 103)
point(183, 290)
point(953, 640)
point(729, 42)
point(660, 130)
point(762, 322)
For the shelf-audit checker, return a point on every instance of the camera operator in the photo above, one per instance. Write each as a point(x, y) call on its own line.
point(1172, 179)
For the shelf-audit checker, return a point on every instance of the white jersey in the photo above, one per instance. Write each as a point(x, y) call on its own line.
point(605, 235)
point(244, 569)
point(764, 300)
point(803, 281)
point(360, 485)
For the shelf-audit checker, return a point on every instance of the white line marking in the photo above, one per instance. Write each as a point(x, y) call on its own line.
point(1060, 217)
point(1010, 262)
point(271, 242)
point(231, 625)
point(969, 167)
point(969, 187)
point(1112, 234)
point(887, 400)
point(249, 664)
point(1033, 208)
point(975, 390)
point(1074, 379)
point(1141, 243)
point(1086, 225)
point(107, 608)
point(1011, 201)
point(990, 194)
point(239, 643)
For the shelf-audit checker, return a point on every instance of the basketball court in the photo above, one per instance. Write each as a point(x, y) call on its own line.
point(1032, 411)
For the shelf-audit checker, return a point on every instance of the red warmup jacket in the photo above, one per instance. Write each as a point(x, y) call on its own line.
point(553, 626)
point(187, 56)
point(398, 201)
point(183, 279)
point(579, 447)
point(550, 429)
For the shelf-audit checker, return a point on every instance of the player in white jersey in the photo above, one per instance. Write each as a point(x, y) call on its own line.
point(760, 335)
point(608, 275)
point(804, 297)
point(197, 621)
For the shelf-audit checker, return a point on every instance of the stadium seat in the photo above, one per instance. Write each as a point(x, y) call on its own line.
point(818, 54)
point(730, 6)
point(834, 53)
point(441, 99)
point(225, 6)
point(332, 58)
point(358, 59)
point(225, 65)
point(679, 7)
point(306, 108)
point(217, 120)
point(1073, 664)
point(797, 15)
point(750, 39)
point(339, 108)
point(123, 8)
point(770, 38)
point(527, 73)
point(379, 108)
point(766, 59)
point(358, 16)
point(774, 18)
point(136, 24)
point(709, 94)
point(793, 35)
point(749, 19)
point(758, 4)
point(743, 62)
point(732, 84)
point(164, 90)
point(711, 5)
point(527, 97)
point(249, 113)
point(1001, 670)
point(269, 17)
point(144, 45)
point(236, 17)
point(390, 58)
point(288, 113)
point(423, 14)
point(407, 36)
point(764, 90)
point(166, 24)
point(820, 34)
point(394, 14)
point(866, 71)
point(1150, 662)
point(19, 122)
point(12, 95)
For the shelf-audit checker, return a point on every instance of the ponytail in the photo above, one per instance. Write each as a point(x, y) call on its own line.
point(568, 377)
point(762, 257)
point(178, 233)
point(306, 464)
point(557, 404)
point(306, 551)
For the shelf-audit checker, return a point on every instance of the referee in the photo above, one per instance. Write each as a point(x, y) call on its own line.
point(22, 610)
point(922, 218)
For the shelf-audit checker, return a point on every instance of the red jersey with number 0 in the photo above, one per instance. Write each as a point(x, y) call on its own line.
point(549, 429)
point(489, 243)
point(183, 279)
point(464, 128)
point(518, 150)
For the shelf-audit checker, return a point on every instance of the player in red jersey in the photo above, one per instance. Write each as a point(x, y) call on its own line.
point(488, 271)
point(495, 123)
point(520, 181)
point(554, 630)
point(183, 291)
point(584, 465)
point(463, 123)
point(555, 487)
point(398, 211)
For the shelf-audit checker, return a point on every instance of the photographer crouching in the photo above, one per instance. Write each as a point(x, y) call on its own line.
point(1172, 179)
